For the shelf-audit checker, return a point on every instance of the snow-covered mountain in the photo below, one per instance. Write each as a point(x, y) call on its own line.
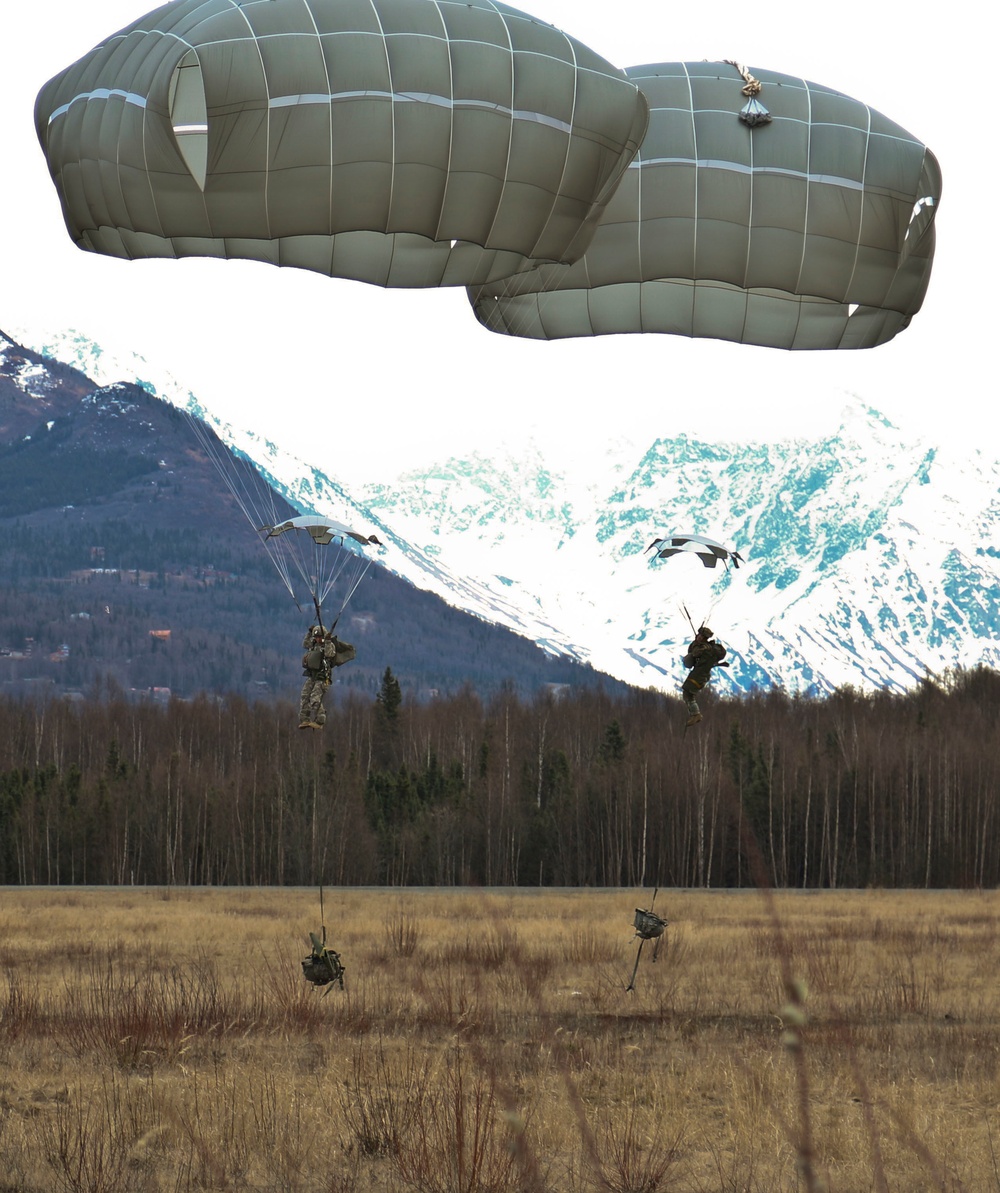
point(871, 559)
point(310, 489)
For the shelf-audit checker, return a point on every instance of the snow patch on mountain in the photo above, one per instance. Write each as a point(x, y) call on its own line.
point(872, 558)
point(311, 490)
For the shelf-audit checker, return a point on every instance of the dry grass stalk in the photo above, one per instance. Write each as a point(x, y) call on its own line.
point(154, 1041)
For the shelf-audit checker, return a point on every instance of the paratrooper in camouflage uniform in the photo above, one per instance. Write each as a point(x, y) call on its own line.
point(324, 651)
point(703, 654)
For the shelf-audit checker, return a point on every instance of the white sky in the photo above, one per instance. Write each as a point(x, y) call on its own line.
point(364, 381)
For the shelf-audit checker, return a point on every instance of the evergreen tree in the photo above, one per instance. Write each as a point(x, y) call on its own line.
point(389, 697)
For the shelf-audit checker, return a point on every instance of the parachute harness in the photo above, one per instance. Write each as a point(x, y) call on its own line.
point(753, 111)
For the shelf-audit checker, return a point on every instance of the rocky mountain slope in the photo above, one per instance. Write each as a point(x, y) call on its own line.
point(127, 560)
point(871, 559)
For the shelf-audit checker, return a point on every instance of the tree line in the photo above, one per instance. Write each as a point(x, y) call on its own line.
point(590, 788)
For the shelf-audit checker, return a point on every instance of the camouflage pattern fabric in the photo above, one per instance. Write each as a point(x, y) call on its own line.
point(326, 649)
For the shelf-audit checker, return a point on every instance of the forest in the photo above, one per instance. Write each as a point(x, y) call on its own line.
point(584, 789)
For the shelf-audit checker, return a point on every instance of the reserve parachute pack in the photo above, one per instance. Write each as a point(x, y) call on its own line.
point(345, 653)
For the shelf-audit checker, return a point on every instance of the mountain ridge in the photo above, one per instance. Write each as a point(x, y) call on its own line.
point(871, 556)
point(127, 559)
point(863, 566)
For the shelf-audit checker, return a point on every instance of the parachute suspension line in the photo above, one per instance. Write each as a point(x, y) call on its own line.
point(520, 303)
point(340, 560)
point(540, 298)
point(315, 570)
point(221, 457)
point(713, 605)
point(306, 551)
point(719, 594)
point(362, 571)
point(703, 621)
point(254, 498)
point(753, 111)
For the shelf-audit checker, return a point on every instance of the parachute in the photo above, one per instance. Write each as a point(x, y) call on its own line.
point(810, 226)
point(692, 571)
point(407, 143)
point(424, 143)
point(321, 530)
point(317, 551)
point(707, 550)
point(316, 557)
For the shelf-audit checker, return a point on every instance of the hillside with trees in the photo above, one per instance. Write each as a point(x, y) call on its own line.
point(128, 564)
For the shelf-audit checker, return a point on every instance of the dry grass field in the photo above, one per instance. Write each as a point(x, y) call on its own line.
point(155, 1040)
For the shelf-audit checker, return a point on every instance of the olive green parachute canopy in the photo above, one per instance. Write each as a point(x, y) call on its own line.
point(398, 142)
point(811, 229)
